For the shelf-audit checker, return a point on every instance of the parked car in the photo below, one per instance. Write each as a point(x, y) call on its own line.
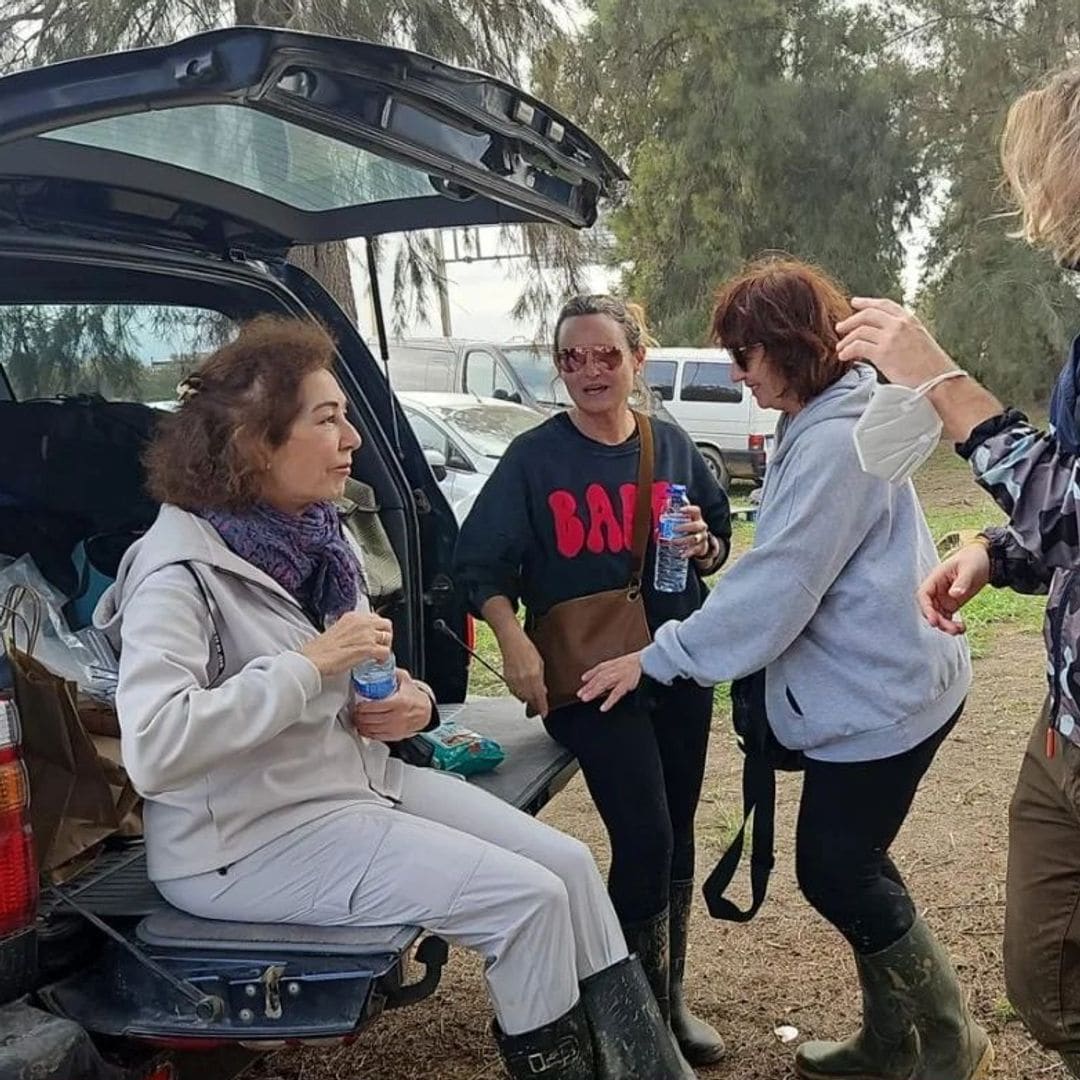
point(151, 196)
point(463, 436)
point(523, 374)
point(734, 434)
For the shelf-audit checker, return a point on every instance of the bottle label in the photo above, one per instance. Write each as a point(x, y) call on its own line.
point(666, 528)
point(377, 688)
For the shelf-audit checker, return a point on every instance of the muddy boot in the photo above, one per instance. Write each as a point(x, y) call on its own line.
point(561, 1050)
point(952, 1046)
point(1072, 1062)
point(631, 1041)
point(651, 941)
point(700, 1042)
point(885, 1048)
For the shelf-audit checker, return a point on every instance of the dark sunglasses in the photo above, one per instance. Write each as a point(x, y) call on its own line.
point(738, 353)
point(575, 358)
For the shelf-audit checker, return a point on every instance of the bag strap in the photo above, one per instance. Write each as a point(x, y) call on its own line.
point(643, 506)
point(759, 799)
point(215, 635)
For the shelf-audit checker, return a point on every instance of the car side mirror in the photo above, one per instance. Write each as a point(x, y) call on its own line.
point(437, 460)
point(504, 395)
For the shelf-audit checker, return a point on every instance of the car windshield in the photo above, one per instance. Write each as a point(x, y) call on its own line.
point(488, 429)
point(534, 367)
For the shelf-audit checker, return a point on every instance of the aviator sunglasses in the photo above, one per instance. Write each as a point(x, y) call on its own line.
point(738, 354)
point(575, 358)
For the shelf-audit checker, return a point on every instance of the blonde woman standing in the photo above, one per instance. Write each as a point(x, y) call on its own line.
point(555, 524)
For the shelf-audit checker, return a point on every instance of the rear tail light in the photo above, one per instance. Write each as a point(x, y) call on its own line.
point(756, 442)
point(18, 866)
point(161, 1071)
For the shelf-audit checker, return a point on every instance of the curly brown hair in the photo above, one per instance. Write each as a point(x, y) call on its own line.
point(235, 407)
point(792, 308)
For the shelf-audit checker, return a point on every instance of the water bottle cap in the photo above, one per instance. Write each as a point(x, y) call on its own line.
point(677, 489)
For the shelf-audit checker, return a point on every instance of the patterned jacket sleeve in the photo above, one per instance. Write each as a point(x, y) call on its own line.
point(1034, 481)
point(1011, 567)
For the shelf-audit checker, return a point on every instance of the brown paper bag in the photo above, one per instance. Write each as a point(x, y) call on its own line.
point(72, 805)
point(128, 801)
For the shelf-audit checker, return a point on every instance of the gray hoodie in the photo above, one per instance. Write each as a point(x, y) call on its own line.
point(825, 600)
point(226, 764)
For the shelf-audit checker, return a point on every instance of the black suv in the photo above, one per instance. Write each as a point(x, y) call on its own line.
point(147, 203)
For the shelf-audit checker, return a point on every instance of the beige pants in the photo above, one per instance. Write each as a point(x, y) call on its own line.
point(451, 859)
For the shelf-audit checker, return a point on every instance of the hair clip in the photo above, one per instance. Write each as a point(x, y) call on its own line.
point(187, 388)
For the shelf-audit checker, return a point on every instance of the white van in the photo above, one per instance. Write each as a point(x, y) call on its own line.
point(734, 434)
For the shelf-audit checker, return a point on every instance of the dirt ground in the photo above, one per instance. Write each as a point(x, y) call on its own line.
point(787, 966)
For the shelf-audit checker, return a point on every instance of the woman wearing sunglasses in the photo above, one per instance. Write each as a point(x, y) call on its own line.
point(853, 676)
point(554, 523)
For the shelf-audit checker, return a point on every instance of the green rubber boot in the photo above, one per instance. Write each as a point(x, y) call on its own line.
point(911, 983)
point(885, 1048)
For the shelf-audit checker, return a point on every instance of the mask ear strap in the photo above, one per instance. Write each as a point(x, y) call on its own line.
point(922, 391)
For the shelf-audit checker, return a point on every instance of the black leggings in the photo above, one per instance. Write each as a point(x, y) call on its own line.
point(848, 818)
point(643, 763)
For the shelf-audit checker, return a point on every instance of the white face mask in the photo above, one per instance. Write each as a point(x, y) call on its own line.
point(899, 429)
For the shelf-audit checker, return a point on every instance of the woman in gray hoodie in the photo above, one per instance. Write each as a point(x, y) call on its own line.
point(854, 677)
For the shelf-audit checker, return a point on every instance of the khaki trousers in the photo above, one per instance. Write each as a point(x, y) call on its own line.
point(1042, 913)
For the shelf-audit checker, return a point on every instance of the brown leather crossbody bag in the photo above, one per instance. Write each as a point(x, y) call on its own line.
point(578, 634)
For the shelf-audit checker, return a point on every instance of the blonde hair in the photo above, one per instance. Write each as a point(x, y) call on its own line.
point(1040, 153)
point(630, 317)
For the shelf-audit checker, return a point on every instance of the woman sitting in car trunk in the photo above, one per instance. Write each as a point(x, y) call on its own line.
point(271, 794)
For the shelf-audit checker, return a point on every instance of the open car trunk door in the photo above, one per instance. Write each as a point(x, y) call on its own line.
point(261, 139)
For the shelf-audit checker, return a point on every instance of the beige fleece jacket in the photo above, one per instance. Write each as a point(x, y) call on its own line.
point(227, 767)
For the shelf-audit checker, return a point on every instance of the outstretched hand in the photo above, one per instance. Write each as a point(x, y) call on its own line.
point(615, 678)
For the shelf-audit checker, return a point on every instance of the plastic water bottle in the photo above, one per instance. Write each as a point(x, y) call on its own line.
point(671, 563)
point(375, 679)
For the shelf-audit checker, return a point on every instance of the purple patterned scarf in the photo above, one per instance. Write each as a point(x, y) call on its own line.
point(306, 554)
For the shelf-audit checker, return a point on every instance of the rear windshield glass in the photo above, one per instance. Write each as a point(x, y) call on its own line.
point(296, 166)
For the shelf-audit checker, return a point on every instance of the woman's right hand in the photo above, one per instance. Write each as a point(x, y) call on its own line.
point(951, 585)
point(523, 669)
point(354, 637)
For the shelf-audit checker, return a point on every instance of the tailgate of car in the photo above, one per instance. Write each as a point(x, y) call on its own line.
point(536, 767)
point(339, 983)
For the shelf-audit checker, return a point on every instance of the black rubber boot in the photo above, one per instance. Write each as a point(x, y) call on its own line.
point(631, 1041)
point(700, 1042)
point(561, 1050)
point(651, 940)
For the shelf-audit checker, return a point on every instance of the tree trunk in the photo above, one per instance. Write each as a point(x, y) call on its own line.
point(327, 263)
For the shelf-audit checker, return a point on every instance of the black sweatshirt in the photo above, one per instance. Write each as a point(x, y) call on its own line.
point(555, 519)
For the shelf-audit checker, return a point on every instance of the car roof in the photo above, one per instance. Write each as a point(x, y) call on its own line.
point(435, 400)
point(673, 352)
point(440, 343)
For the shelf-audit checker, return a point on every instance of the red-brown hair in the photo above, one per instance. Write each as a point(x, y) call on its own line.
point(791, 308)
point(236, 406)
